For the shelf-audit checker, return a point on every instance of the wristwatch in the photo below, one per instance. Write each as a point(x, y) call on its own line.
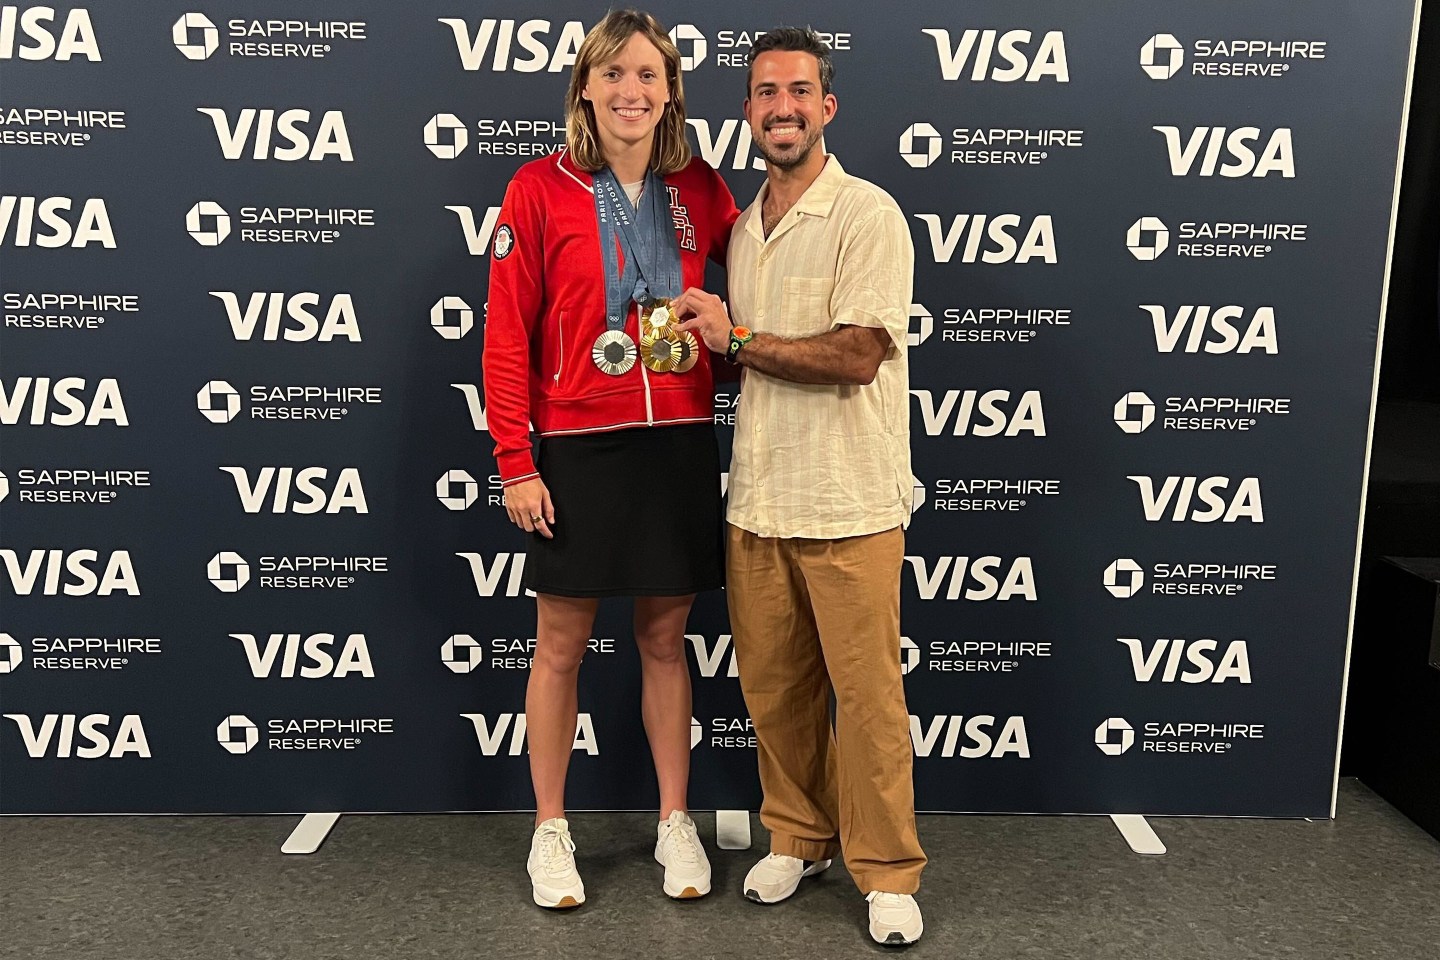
point(739, 336)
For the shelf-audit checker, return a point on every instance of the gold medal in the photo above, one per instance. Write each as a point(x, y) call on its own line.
point(661, 351)
point(614, 352)
point(656, 317)
point(689, 353)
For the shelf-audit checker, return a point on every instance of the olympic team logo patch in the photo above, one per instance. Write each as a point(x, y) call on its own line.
point(504, 241)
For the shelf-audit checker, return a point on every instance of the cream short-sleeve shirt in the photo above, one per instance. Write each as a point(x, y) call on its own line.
point(814, 460)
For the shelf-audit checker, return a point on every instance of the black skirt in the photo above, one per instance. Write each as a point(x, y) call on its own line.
point(637, 513)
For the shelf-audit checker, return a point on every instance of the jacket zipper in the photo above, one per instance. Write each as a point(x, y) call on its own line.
point(649, 407)
point(560, 348)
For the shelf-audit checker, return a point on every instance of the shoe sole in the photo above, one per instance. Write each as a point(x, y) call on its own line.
point(818, 867)
point(566, 902)
point(897, 939)
point(689, 893)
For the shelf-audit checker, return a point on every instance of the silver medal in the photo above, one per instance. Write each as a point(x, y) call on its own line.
point(614, 352)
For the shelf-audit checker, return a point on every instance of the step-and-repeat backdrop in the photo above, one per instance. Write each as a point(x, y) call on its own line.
point(254, 554)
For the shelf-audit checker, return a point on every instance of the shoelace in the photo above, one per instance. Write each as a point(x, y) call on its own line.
point(555, 849)
point(680, 838)
point(888, 899)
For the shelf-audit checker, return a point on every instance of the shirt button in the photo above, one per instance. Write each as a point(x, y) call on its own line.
point(758, 428)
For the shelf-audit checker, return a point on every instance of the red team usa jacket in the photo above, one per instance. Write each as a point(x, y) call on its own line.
point(547, 306)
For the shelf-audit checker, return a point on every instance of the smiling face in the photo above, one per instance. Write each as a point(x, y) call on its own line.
point(628, 94)
point(786, 109)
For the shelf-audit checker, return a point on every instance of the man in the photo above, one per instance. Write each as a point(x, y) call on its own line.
point(820, 274)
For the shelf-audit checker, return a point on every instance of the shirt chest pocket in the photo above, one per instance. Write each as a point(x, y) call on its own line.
point(805, 305)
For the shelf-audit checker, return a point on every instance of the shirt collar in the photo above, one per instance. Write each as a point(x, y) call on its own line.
point(567, 166)
point(818, 198)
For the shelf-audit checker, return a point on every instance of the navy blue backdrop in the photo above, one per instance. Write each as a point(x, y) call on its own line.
point(253, 552)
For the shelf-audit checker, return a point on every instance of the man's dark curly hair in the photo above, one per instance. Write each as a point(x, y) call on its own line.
point(797, 39)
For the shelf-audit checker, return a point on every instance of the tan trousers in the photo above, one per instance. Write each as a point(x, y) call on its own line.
point(807, 615)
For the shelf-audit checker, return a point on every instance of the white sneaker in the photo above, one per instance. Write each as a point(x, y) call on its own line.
point(777, 876)
point(553, 878)
point(678, 850)
point(894, 919)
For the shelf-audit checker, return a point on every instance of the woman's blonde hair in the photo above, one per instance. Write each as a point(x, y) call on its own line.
point(670, 151)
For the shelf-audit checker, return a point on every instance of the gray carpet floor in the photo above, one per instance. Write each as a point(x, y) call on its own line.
point(997, 888)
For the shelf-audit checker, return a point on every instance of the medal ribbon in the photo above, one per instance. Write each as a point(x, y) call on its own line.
point(647, 235)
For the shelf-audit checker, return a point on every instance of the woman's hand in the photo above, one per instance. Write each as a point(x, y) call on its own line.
point(528, 504)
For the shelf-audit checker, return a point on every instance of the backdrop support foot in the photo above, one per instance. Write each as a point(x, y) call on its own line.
point(1138, 833)
point(732, 829)
point(309, 833)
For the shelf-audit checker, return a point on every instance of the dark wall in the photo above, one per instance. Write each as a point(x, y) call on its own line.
point(1410, 368)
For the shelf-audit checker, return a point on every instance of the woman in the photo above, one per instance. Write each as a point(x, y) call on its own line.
point(623, 498)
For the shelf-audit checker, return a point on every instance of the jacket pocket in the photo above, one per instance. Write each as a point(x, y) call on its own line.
point(556, 357)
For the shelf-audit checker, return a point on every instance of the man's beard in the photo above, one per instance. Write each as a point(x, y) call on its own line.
point(802, 151)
